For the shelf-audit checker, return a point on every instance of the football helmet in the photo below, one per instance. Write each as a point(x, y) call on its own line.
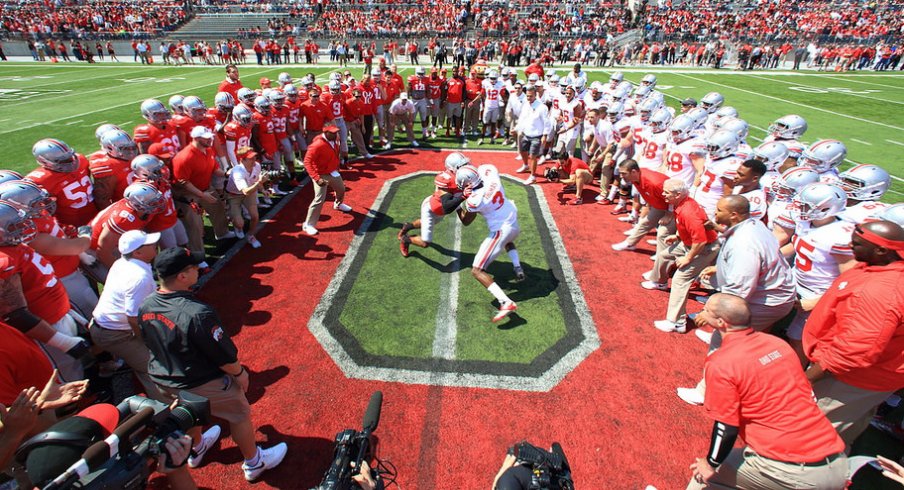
point(466, 177)
point(445, 181)
point(243, 115)
point(533, 78)
point(15, 225)
point(726, 112)
point(456, 160)
point(660, 120)
point(596, 86)
point(579, 84)
point(616, 78)
point(647, 108)
point(9, 175)
point(308, 81)
point(641, 92)
point(790, 127)
point(34, 199)
point(722, 144)
point(118, 144)
point(144, 198)
point(615, 111)
point(824, 155)
point(284, 78)
point(264, 82)
point(155, 112)
point(894, 213)
point(711, 102)
point(148, 168)
point(55, 155)
point(262, 105)
point(335, 86)
point(865, 182)
point(648, 80)
point(175, 103)
point(246, 95)
point(194, 107)
point(103, 128)
point(699, 116)
point(773, 154)
point(682, 128)
point(277, 98)
point(739, 126)
point(792, 180)
point(658, 97)
point(818, 201)
point(554, 80)
point(224, 101)
point(622, 92)
point(420, 71)
point(290, 90)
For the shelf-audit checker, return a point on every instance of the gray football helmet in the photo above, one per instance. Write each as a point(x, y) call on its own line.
point(660, 120)
point(711, 102)
point(615, 111)
point(175, 103)
point(118, 144)
point(682, 128)
point(148, 168)
point(790, 127)
point(894, 213)
point(467, 176)
point(55, 155)
point(641, 92)
point(699, 116)
point(246, 95)
point(291, 91)
point(194, 107)
point(103, 128)
point(616, 79)
point(647, 108)
point(817, 201)
point(792, 180)
point(15, 225)
point(722, 144)
point(648, 80)
point(277, 97)
point(284, 78)
point(144, 198)
point(738, 126)
point(824, 155)
point(865, 182)
point(726, 111)
point(34, 199)
point(262, 105)
point(224, 101)
point(243, 115)
point(155, 112)
point(773, 154)
point(456, 160)
point(9, 175)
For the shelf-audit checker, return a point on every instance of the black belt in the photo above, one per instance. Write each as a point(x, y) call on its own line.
point(822, 462)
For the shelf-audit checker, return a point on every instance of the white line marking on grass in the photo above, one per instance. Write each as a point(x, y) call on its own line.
point(861, 142)
point(62, 82)
point(444, 342)
point(858, 80)
point(895, 142)
point(70, 123)
point(794, 103)
point(825, 91)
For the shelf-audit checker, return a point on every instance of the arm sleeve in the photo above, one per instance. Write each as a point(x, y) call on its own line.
point(720, 443)
point(207, 334)
point(309, 164)
point(451, 202)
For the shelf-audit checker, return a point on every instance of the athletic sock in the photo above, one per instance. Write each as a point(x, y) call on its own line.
point(513, 254)
point(497, 292)
point(256, 459)
point(612, 191)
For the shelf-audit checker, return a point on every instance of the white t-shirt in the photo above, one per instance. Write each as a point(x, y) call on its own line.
point(602, 132)
point(129, 282)
point(397, 108)
point(489, 200)
point(240, 178)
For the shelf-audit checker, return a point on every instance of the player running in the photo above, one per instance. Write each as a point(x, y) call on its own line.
point(445, 200)
point(485, 196)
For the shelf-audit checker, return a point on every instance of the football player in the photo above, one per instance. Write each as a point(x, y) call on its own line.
point(263, 135)
point(864, 184)
point(238, 132)
point(158, 129)
point(711, 103)
point(455, 93)
point(774, 155)
point(747, 184)
point(686, 153)
point(64, 174)
point(417, 92)
point(152, 170)
point(578, 176)
point(593, 99)
point(137, 210)
point(434, 98)
point(293, 123)
point(473, 88)
point(788, 130)
point(742, 129)
point(179, 119)
point(446, 199)
point(380, 103)
point(335, 100)
point(599, 143)
point(491, 97)
point(486, 196)
point(284, 158)
point(568, 117)
point(719, 170)
point(98, 133)
point(112, 170)
point(784, 189)
point(824, 156)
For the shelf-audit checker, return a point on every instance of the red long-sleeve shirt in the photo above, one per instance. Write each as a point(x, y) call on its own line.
point(856, 331)
point(322, 158)
point(650, 186)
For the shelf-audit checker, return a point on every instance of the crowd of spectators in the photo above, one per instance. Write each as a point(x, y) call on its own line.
point(434, 19)
point(39, 19)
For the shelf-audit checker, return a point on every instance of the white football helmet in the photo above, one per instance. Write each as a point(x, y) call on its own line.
point(284, 78)
point(660, 120)
point(149, 168)
point(243, 115)
point(144, 198)
point(246, 95)
point(773, 154)
point(722, 144)
point(224, 101)
point(15, 225)
point(467, 177)
point(456, 160)
point(726, 111)
point(865, 182)
point(118, 144)
point(616, 78)
point(579, 85)
point(103, 128)
point(277, 97)
point(554, 80)
point(682, 128)
point(739, 126)
point(291, 91)
point(9, 175)
point(336, 76)
point(420, 71)
point(647, 108)
point(792, 180)
point(648, 80)
point(711, 102)
point(818, 201)
point(155, 112)
point(55, 155)
point(790, 127)
point(622, 92)
point(894, 213)
point(824, 155)
point(194, 107)
point(699, 116)
point(641, 92)
point(615, 111)
point(29, 196)
point(262, 105)
point(175, 103)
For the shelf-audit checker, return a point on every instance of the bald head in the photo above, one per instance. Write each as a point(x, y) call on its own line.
point(736, 203)
point(885, 229)
point(731, 309)
point(878, 242)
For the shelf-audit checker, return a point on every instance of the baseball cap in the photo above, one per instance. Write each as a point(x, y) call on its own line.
point(201, 132)
point(330, 129)
point(172, 261)
point(689, 101)
point(264, 81)
point(246, 152)
point(50, 453)
point(159, 151)
point(403, 95)
point(132, 240)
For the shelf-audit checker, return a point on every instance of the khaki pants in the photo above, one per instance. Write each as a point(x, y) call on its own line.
point(132, 350)
point(320, 197)
point(848, 408)
point(745, 469)
point(647, 222)
point(235, 203)
point(401, 120)
point(227, 400)
point(472, 118)
point(683, 277)
point(194, 222)
point(356, 130)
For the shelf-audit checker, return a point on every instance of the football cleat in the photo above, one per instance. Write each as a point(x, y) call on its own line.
point(504, 311)
point(404, 243)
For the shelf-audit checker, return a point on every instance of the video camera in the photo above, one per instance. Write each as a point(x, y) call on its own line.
point(125, 459)
point(353, 446)
point(549, 469)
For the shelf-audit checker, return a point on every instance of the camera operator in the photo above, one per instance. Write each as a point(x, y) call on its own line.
point(528, 467)
point(512, 476)
point(241, 190)
point(190, 351)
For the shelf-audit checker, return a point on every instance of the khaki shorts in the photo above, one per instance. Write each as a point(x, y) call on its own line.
point(227, 400)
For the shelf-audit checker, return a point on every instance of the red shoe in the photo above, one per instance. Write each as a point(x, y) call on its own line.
point(619, 210)
point(504, 310)
point(403, 245)
point(576, 202)
point(604, 202)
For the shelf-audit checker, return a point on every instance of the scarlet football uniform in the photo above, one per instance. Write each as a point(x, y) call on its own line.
point(265, 133)
point(120, 218)
point(293, 113)
point(73, 191)
point(106, 167)
point(182, 123)
point(336, 104)
point(418, 87)
point(63, 265)
point(44, 293)
point(434, 88)
point(166, 136)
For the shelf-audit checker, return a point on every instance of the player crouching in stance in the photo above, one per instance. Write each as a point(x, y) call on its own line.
point(446, 199)
point(484, 195)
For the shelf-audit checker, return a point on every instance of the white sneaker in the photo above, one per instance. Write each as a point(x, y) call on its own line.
point(269, 458)
point(267, 201)
point(254, 243)
point(278, 192)
point(227, 235)
point(654, 286)
point(622, 246)
point(308, 229)
point(669, 326)
point(704, 336)
point(628, 219)
point(652, 241)
point(208, 439)
point(522, 169)
point(628, 232)
point(690, 395)
point(542, 160)
point(531, 180)
point(519, 158)
point(368, 156)
point(239, 234)
point(464, 145)
point(387, 146)
point(647, 275)
point(341, 206)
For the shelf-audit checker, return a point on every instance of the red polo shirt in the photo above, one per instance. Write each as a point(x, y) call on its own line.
point(754, 382)
point(316, 114)
point(572, 165)
point(22, 364)
point(322, 157)
point(856, 331)
point(195, 166)
point(650, 186)
point(689, 218)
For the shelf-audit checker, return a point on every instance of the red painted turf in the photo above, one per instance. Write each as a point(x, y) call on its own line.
point(616, 415)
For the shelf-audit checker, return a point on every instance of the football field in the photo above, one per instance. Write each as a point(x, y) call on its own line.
point(863, 110)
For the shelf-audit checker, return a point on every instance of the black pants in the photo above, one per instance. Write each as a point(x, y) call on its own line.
point(369, 132)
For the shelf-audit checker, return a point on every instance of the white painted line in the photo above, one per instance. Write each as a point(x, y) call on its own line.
point(826, 91)
point(729, 87)
point(444, 342)
point(861, 142)
point(860, 80)
point(895, 142)
point(70, 123)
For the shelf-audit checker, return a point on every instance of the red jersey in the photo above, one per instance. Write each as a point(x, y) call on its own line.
point(455, 92)
point(367, 95)
point(230, 87)
point(22, 363)
point(280, 118)
point(473, 87)
point(119, 218)
point(195, 166)
point(44, 293)
point(316, 114)
point(166, 136)
point(572, 165)
point(335, 103)
point(63, 265)
point(435, 88)
point(182, 123)
point(168, 217)
point(265, 133)
point(73, 191)
point(293, 117)
point(107, 166)
point(238, 134)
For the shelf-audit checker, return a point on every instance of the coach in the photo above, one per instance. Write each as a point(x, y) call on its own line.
point(649, 185)
point(854, 337)
point(789, 444)
point(533, 125)
point(322, 164)
point(191, 351)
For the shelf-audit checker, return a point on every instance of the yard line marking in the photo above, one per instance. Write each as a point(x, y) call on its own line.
point(44, 123)
point(70, 123)
point(793, 103)
point(861, 142)
point(827, 92)
point(60, 82)
point(444, 342)
point(895, 142)
point(857, 80)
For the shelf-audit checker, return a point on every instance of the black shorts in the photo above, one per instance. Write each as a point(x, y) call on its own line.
point(531, 145)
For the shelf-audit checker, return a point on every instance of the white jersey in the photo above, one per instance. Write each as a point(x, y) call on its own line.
point(553, 96)
point(566, 111)
point(757, 200)
point(492, 94)
point(621, 128)
point(795, 148)
point(709, 127)
point(637, 127)
point(862, 211)
point(712, 185)
point(678, 159)
point(779, 214)
point(814, 266)
point(650, 156)
point(830, 176)
point(767, 181)
point(744, 151)
point(490, 202)
point(602, 132)
point(591, 103)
